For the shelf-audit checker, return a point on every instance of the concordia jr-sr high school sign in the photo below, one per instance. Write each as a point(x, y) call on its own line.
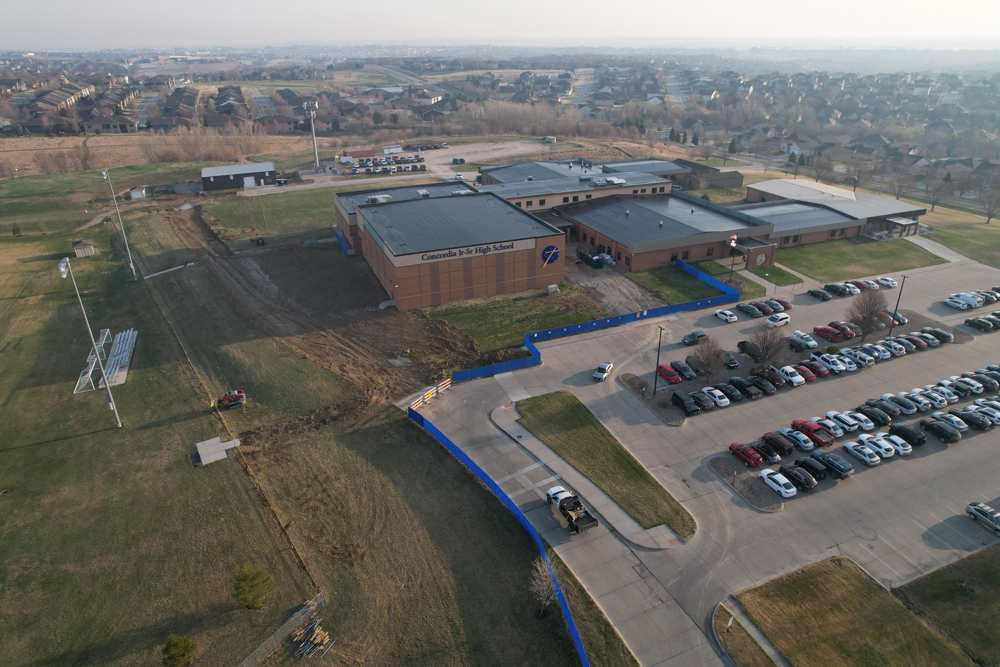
point(463, 253)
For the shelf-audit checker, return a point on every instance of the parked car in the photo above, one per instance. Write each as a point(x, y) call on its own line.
point(694, 337)
point(922, 402)
point(798, 438)
point(747, 454)
point(683, 370)
point(785, 303)
point(750, 349)
point(940, 430)
point(888, 407)
point(668, 374)
point(703, 402)
point(805, 373)
point(897, 316)
point(772, 377)
point(830, 362)
point(845, 421)
point(985, 515)
point(731, 361)
point(805, 339)
point(988, 383)
point(863, 453)
point(762, 384)
point(972, 385)
point(683, 401)
point(603, 371)
point(748, 390)
point(730, 392)
point(910, 434)
point(886, 282)
point(859, 284)
point(876, 416)
point(849, 364)
point(905, 405)
point(726, 316)
point(956, 304)
point(927, 338)
point(717, 396)
point(973, 418)
point(816, 469)
point(820, 436)
point(801, 479)
point(828, 425)
point(906, 344)
point(858, 357)
point(877, 443)
point(894, 443)
point(979, 323)
point(835, 465)
point(822, 295)
point(749, 310)
point(762, 307)
point(777, 320)
point(864, 421)
point(818, 369)
point(781, 444)
point(775, 305)
point(837, 288)
point(989, 413)
point(768, 453)
point(777, 482)
point(935, 400)
point(894, 347)
point(828, 333)
point(789, 375)
point(846, 331)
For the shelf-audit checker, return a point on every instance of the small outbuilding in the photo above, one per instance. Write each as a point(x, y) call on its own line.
point(84, 248)
point(235, 176)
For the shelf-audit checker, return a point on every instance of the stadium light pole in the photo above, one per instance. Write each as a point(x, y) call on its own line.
point(656, 371)
point(896, 309)
point(106, 176)
point(65, 270)
point(310, 109)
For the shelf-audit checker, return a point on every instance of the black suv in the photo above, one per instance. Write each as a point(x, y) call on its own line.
point(798, 476)
point(685, 403)
point(979, 323)
point(683, 370)
point(731, 361)
point(878, 417)
point(749, 349)
point(885, 406)
point(836, 466)
point(836, 288)
point(694, 337)
point(910, 434)
point(813, 467)
point(745, 387)
point(940, 334)
point(748, 309)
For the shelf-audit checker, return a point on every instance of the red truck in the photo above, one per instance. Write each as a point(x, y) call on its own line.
point(819, 435)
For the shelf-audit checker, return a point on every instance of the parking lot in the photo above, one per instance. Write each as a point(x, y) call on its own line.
point(898, 520)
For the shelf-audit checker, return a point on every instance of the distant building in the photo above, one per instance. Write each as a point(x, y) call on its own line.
point(84, 248)
point(237, 176)
point(110, 125)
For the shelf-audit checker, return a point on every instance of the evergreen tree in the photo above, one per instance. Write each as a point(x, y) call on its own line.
point(684, 138)
point(733, 148)
point(179, 651)
point(694, 139)
point(253, 588)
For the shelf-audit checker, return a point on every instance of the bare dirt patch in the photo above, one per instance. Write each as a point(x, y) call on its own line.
point(660, 405)
point(745, 483)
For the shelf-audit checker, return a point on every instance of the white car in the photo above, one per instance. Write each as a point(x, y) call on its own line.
point(459, 177)
point(863, 421)
point(603, 371)
point(791, 376)
point(805, 339)
point(901, 446)
point(859, 358)
point(778, 320)
point(894, 347)
point(851, 289)
point(988, 403)
point(726, 316)
point(849, 364)
point(922, 402)
point(832, 426)
point(886, 282)
point(968, 383)
point(877, 444)
point(862, 452)
point(990, 413)
point(951, 420)
point(799, 439)
point(872, 284)
point(941, 390)
point(778, 483)
point(832, 363)
point(846, 422)
point(956, 304)
point(885, 351)
point(717, 396)
point(936, 400)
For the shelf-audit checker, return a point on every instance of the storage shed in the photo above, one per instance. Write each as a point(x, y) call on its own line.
point(84, 248)
point(236, 176)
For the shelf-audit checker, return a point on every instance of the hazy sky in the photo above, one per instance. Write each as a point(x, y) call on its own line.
point(53, 25)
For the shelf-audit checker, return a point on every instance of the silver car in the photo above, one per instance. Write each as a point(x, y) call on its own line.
point(985, 515)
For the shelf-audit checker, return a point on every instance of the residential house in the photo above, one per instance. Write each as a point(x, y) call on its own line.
point(110, 125)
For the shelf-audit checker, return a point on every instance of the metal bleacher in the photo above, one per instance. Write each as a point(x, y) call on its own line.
point(116, 367)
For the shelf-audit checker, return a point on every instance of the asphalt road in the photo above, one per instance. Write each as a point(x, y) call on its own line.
point(899, 520)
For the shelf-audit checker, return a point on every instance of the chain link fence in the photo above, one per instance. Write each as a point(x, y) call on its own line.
point(295, 621)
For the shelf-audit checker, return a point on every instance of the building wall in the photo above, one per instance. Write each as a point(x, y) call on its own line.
point(545, 202)
point(791, 240)
point(209, 183)
point(468, 278)
point(347, 226)
point(754, 196)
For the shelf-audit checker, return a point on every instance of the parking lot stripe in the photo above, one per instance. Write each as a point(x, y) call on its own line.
point(880, 560)
point(977, 546)
point(917, 543)
point(901, 554)
point(936, 537)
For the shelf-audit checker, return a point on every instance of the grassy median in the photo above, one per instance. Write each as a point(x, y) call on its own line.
point(737, 642)
point(854, 258)
point(673, 285)
point(721, 272)
point(832, 614)
point(776, 275)
point(565, 424)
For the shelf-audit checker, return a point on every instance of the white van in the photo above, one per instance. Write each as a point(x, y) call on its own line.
point(974, 300)
point(778, 320)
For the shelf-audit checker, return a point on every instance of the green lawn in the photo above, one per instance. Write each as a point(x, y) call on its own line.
point(969, 618)
point(565, 424)
point(832, 614)
point(776, 275)
point(965, 233)
point(673, 285)
point(855, 257)
point(501, 322)
point(719, 271)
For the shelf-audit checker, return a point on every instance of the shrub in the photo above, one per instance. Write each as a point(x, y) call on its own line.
point(832, 349)
point(254, 588)
point(179, 651)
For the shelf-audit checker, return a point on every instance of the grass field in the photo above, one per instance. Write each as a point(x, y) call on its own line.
point(565, 424)
point(832, 614)
point(969, 618)
point(111, 536)
point(965, 233)
point(854, 258)
point(737, 642)
point(719, 271)
point(673, 285)
point(501, 322)
point(776, 275)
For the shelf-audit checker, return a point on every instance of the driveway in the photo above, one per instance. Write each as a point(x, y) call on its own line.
point(899, 520)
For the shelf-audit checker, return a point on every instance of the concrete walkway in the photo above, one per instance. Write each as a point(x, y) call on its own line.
point(607, 510)
point(936, 248)
point(737, 611)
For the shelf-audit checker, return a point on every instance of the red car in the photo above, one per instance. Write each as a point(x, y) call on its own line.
point(918, 343)
point(762, 307)
point(785, 303)
point(806, 373)
point(772, 377)
point(828, 333)
point(779, 442)
point(859, 284)
point(747, 454)
point(819, 435)
point(668, 374)
point(818, 369)
point(843, 329)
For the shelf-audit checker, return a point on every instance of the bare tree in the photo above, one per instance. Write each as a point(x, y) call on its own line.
point(705, 150)
point(868, 311)
point(822, 167)
point(710, 356)
point(965, 183)
point(990, 201)
point(541, 586)
point(769, 342)
point(900, 181)
point(936, 189)
point(860, 170)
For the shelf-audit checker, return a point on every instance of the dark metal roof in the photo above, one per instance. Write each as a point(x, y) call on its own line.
point(424, 225)
point(536, 171)
point(590, 182)
point(650, 166)
point(353, 199)
point(791, 217)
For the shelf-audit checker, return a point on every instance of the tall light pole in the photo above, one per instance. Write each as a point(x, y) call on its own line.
point(106, 176)
point(66, 270)
point(732, 252)
point(896, 309)
point(310, 109)
point(656, 371)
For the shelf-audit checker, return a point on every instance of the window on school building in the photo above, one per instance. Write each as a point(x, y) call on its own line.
point(565, 200)
point(711, 251)
point(673, 256)
point(529, 204)
point(684, 255)
point(576, 198)
point(518, 204)
point(541, 202)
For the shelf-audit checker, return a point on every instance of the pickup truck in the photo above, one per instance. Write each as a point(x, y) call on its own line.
point(577, 516)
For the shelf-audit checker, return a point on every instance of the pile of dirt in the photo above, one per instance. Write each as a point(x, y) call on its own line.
point(745, 483)
point(660, 404)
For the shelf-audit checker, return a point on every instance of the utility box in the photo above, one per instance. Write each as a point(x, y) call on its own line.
point(552, 289)
point(550, 140)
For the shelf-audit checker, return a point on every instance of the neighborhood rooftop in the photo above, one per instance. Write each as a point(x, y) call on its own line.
point(425, 225)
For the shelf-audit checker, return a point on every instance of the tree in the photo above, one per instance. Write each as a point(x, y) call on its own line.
point(733, 148)
point(822, 167)
point(541, 586)
point(990, 201)
point(768, 340)
point(253, 588)
point(684, 138)
point(15, 229)
point(377, 117)
point(861, 171)
point(179, 651)
point(710, 355)
point(899, 182)
point(394, 117)
point(642, 126)
point(802, 159)
point(936, 189)
point(705, 150)
point(794, 166)
point(694, 138)
point(868, 312)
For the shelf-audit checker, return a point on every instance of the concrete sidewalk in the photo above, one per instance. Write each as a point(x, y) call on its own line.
point(737, 611)
point(935, 248)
